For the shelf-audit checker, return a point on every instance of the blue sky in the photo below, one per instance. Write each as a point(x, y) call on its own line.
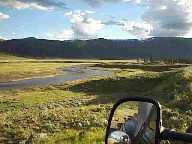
point(87, 19)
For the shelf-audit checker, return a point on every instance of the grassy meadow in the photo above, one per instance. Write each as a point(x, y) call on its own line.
point(77, 111)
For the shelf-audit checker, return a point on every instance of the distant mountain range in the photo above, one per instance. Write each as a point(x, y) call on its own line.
point(157, 47)
point(1, 40)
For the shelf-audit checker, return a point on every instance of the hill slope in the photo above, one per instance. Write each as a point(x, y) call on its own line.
point(100, 48)
point(7, 57)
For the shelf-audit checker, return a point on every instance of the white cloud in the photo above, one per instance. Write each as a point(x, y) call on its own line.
point(4, 16)
point(3, 38)
point(188, 35)
point(168, 17)
point(33, 4)
point(160, 18)
point(83, 25)
point(95, 3)
point(139, 29)
point(89, 12)
point(67, 34)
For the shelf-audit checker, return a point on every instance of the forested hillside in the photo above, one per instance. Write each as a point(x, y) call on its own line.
point(158, 47)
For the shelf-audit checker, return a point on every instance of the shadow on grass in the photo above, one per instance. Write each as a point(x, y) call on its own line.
point(111, 89)
point(153, 68)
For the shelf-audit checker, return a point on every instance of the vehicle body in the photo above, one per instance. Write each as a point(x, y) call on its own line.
point(144, 126)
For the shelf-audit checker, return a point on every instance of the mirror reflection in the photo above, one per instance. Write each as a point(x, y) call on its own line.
point(133, 123)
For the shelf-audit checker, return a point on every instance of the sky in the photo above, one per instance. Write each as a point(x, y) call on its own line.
point(89, 19)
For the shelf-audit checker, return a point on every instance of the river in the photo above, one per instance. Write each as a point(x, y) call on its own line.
point(79, 72)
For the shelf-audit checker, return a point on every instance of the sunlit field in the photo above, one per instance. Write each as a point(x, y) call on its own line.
point(77, 111)
point(65, 63)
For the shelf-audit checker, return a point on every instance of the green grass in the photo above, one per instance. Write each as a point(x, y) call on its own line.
point(20, 70)
point(53, 111)
point(172, 88)
point(77, 112)
point(15, 67)
point(71, 136)
point(7, 57)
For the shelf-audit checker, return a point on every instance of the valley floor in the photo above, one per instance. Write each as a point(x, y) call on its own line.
point(77, 111)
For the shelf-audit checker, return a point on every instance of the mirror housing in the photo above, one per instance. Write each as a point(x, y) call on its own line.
point(139, 100)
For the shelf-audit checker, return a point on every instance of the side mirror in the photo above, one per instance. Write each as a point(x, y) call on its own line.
point(118, 137)
point(134, 120)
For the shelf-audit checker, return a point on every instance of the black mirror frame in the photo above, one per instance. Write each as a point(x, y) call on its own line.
point(141, 99)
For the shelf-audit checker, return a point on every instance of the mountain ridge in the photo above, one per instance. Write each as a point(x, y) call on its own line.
point(157, 47)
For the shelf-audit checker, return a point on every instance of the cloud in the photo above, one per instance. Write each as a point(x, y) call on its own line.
point(188, 35)
point(33, 4)
point(83, 25)
point(66, 34)
point(96, 3)
point(139, 29)
point(161, 18)
point(168, 17)
point(3, 38)
point(4, 16)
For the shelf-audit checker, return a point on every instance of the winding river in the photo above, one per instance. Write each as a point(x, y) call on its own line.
point(73, 73)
